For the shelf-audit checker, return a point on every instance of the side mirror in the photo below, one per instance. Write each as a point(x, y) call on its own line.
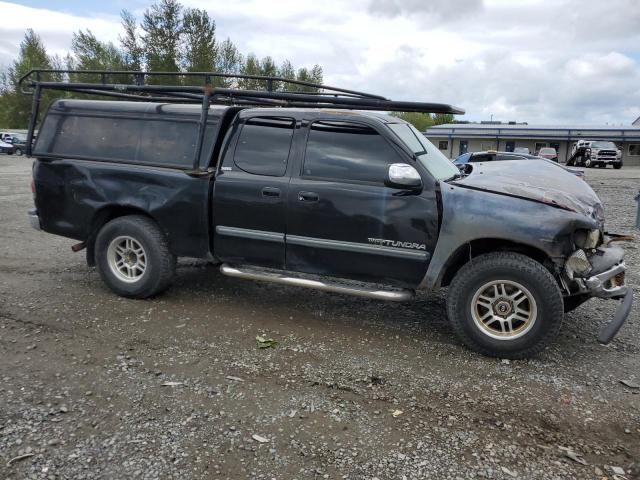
point(403, 176)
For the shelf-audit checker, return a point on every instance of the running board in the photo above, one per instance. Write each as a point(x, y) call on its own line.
point(347, 287)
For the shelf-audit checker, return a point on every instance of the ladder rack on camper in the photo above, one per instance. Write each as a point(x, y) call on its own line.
point(198, 87)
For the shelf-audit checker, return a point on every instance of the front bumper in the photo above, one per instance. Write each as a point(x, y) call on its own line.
point(607, 281)
point(34, 219)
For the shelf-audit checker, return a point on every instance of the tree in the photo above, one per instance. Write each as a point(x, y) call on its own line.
point(162, 27)
point(287, 71)
point(268, 69)
point(421, 121)
point(199, 32)
point(251, 67)
point(228, 60)
point(443, 118)
point(132, 50)
point(15, 107)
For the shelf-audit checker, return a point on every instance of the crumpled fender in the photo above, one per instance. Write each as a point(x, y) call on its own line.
point(470, 214)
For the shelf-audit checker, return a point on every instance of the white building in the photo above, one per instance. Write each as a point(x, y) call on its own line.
point(457, 138)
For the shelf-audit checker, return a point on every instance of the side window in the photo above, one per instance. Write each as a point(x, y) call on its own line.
point(509, 157)
point(347, 152)
point(480, 158)
point(263, 146)
point(139, 140)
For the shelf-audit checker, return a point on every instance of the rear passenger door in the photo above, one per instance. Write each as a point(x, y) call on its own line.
point(343, 221)
point(250, 193)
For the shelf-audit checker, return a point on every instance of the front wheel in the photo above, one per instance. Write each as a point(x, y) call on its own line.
point(18, 151)
point(505, 305)
point(133, 258)
point(617, 166)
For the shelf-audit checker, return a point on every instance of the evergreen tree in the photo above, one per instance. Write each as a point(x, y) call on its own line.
point(251, 67)
point(268, 69)
point(162, 27)
point(287, 72)
point(199, 41)
point(15, 107)
point(132, 51)
point(228, 60)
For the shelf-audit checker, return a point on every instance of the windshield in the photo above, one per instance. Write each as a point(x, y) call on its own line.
point(427, 154)
point(603, 145)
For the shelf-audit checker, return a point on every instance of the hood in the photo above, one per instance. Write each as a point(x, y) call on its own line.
point(540, 181)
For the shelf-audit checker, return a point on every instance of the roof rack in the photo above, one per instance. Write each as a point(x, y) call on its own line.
point(148, 86)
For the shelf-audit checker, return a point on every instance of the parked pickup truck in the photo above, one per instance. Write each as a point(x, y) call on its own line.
point(348, 202)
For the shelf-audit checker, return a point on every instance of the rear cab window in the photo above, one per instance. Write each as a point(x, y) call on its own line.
point(263, 146)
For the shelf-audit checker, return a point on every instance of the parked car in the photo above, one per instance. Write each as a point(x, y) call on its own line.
point(492, 156)
point(521, 150)
point(549, 153)
point(340, 201)
point(19, 145)
point(6, 147)
point(590, 153)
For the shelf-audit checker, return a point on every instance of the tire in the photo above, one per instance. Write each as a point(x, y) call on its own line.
point(18, 152)
point(617, 166)
point(571, 303)
point(511, 273)
point(587, 163)
point(133, 258)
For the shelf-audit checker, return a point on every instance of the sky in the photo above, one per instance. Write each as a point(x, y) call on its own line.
point(535, 61)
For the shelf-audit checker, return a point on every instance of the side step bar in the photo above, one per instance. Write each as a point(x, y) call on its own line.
point(344, 286)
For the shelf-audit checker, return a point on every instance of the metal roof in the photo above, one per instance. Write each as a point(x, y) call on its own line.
point(566, 132)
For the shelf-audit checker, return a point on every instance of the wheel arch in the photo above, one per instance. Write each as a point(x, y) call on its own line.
point(102, 217)
point(466, 252)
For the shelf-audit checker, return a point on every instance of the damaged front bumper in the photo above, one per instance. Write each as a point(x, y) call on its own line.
point(606, 279)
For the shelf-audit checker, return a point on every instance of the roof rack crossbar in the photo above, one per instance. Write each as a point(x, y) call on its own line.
point(133, 85)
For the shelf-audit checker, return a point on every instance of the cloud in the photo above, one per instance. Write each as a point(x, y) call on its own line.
point(436, 9)
point(565, 61)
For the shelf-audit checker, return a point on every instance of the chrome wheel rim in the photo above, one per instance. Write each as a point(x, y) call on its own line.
point(127, 259)
point(504, 309)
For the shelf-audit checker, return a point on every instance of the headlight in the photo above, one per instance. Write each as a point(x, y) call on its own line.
point(577, 264)
point(587, 239)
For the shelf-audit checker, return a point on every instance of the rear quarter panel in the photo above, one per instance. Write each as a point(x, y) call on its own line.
point(71, 194)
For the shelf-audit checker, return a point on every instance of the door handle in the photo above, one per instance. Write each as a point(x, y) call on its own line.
point(308, 197)
point(270, 192)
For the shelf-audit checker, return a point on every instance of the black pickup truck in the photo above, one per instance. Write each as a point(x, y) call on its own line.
point(338, 200)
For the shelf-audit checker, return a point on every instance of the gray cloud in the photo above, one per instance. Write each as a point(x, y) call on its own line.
point(437, 9)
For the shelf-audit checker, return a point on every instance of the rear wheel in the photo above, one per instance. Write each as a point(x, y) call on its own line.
point(18, 151)
point(133, 258)
point(505, 305)
point(587, 163)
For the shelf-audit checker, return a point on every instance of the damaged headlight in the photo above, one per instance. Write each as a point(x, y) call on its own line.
point(577, 264)
point(587, 239)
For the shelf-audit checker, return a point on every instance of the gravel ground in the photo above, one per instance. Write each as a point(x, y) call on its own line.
point(354, 388)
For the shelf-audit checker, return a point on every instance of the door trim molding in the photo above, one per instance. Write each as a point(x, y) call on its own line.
point(356, 247)
point(322, 243)
point(250, 234)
